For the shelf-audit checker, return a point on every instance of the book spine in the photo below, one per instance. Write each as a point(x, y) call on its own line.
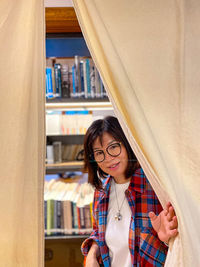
point(77, 75)
point(88, 77)
point(92, 82)
point(49, 154)
point(85, 79)
point(78, 218)
point(75, 218)
point(58, 82)
point(50, 215)
point(45, 214)
point(74, 94)
point(101, 88)
point(65, 81)
point(87, 217)
point(97, 83)
point(49, 84)
point(82, 80)
point(59, 216)
point(70, 84)
point(62, 215)
point(82, 217)
point(55, 217)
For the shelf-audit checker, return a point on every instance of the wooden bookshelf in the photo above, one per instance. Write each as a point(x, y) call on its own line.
point(66, 139)
point(58, 237)
point(64, 167)
point(77, 100)
point(79, 104)
point(61, 20)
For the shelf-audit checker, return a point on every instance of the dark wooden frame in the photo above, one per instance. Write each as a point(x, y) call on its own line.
point(61, 20)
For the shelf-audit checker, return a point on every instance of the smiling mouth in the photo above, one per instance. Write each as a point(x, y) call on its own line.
point(114, 165)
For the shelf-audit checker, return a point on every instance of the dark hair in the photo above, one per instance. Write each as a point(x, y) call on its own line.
point(109, 125)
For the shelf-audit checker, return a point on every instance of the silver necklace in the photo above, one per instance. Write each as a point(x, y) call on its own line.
point(118, 216)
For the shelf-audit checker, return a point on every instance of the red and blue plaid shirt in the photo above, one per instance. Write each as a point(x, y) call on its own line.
point(145, 247)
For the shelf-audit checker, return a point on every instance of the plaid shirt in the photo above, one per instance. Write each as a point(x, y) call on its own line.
point(145, 247)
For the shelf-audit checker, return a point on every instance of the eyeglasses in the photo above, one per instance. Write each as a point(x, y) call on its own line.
point(113, 150)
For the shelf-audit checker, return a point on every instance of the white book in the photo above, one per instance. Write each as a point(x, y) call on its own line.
point(49, 154)
point(53, 124)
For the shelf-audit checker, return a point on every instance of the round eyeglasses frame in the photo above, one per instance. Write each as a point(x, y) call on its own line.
point(107, 150)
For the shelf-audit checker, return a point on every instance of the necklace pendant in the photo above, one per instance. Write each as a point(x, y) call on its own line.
point(118, 216)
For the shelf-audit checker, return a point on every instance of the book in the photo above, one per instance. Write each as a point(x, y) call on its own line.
point(49, 83)
point(53, 123)
point(75, 216)
point(92, 82)
point(88, 77)
point(87, 217)
point(67, 213)
point(58, 81)
point(74, 81)
point(50, 216)
point(77, 75)
point(97, 83)
point(82, 80)
point(85, 79)
point(45, 214)
point(49, 154)
point(68, 207)
point(65, 83)
point(57, 151)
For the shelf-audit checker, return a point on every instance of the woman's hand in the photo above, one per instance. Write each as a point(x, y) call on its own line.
point(91, 259)
point(165, 224)
point(91, 262)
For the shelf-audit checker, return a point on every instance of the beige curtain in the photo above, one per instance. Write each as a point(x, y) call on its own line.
point(22, 132)
point(148, 54)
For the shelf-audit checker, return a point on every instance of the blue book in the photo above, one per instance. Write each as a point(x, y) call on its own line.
point(88, 77)
point(49, 83)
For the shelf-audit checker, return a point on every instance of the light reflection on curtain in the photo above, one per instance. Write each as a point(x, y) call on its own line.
point(22, 132)
point(148, 55)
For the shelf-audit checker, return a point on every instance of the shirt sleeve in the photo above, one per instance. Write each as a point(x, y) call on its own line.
point(94, 236)
point(152, 246)
point(153, 249)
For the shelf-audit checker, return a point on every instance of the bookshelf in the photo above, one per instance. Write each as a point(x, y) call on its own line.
point(64, 41)
point(64, 167)
point(66, 237)
point(78, 104)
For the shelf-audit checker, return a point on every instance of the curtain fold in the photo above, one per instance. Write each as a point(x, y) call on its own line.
point(22, 132)
point(147, 53)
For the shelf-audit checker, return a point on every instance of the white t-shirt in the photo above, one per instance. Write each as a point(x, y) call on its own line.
point(117, 232)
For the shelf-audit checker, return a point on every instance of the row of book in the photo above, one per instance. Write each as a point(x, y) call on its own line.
point(80, 80)
point(68, 122)
point(58, 152)
point(68, 207)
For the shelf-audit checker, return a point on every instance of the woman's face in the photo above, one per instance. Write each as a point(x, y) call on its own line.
point(115, 166)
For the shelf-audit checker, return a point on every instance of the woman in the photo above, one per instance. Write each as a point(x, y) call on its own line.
point(123, 234)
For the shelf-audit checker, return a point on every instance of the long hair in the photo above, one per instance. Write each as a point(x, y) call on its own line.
point(111, 126)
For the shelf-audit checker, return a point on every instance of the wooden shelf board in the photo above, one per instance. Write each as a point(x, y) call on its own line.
point(58, 237)
point(65, 164)
point(61, 20)
point(64, 167)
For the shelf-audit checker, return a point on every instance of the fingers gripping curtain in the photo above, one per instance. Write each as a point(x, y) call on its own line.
point(22, 132)
point(148, 55)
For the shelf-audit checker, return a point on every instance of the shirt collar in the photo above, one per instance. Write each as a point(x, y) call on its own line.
point(137, 183)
